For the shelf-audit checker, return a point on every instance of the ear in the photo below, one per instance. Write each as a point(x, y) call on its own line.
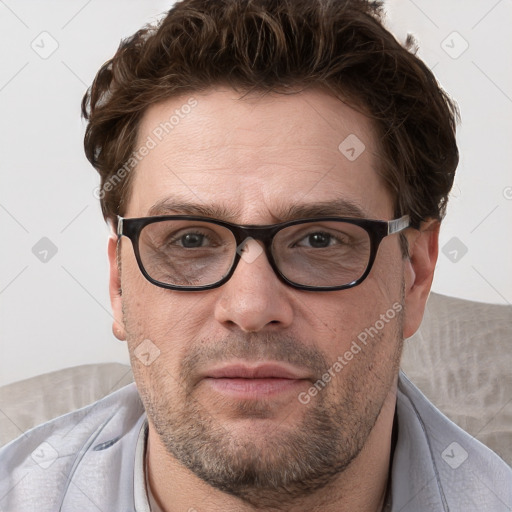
point(419, 273)
point(115, 290)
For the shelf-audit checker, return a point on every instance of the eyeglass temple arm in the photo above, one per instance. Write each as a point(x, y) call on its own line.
point(397, 225)
point(119, 226)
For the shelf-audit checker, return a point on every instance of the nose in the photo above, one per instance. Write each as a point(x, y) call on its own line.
point(254, 298)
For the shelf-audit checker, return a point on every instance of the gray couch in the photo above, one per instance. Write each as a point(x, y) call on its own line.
point(461, 358)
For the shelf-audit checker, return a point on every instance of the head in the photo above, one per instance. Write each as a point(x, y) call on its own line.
point(255, 113)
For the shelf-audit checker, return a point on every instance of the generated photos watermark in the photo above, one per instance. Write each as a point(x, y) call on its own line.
point(157, 135)
point(355, 348)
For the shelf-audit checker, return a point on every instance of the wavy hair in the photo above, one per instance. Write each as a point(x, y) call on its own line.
point(279, 46)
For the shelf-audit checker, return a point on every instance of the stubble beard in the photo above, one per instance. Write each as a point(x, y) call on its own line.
point(286, 464)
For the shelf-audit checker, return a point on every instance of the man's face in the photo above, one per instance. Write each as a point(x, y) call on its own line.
point(252, 160)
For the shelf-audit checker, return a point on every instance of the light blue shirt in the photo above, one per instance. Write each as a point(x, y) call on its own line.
point(91, 460)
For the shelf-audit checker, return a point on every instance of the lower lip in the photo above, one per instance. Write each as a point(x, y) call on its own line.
point(254, 388)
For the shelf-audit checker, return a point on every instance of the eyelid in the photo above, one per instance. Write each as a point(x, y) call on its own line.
point(187, 231)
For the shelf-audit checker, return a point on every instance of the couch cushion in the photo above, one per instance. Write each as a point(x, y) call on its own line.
point(461, 358)
point(33, 401)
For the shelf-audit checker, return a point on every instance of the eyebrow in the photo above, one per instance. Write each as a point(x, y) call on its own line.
point(175, 206)
point(335, 208)
point(332, 208)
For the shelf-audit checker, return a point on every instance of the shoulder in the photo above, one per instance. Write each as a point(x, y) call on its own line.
point(461, 472)
point(37, 467)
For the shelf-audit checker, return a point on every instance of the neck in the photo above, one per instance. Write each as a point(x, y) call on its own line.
point(361, 486)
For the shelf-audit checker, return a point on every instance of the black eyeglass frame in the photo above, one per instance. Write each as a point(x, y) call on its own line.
point(376, 229)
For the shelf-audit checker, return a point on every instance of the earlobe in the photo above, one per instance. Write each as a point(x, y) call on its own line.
point(118, 328)
point(419, 273)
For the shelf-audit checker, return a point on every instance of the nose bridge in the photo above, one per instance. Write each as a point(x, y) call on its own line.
point(264, 234)
point(253, 299)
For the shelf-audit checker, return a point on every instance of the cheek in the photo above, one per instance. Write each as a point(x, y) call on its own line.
point(145, 306)
point(347, 313)
point(154, 316)
point(384, 285)
point(368, 316)
point(366, 360)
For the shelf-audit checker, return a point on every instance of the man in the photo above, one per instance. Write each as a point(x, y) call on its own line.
point(275, 174)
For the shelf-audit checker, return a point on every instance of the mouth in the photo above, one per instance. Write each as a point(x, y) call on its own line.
point(245, 381)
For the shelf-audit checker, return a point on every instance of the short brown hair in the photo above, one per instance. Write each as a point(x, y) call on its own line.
point(270, 46)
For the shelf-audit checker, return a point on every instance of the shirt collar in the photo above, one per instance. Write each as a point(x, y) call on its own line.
point(415, 477)
point(139, 474)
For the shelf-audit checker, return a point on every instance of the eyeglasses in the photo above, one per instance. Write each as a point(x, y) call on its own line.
point(190, 253)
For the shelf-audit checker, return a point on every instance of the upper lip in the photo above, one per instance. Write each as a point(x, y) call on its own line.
point(256, 371)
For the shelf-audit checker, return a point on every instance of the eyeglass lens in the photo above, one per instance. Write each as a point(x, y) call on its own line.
point(198, 253)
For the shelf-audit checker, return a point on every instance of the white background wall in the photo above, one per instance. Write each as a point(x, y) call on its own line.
point(56, 313)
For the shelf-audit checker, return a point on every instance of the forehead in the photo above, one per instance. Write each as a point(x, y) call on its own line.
point(255, 159)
